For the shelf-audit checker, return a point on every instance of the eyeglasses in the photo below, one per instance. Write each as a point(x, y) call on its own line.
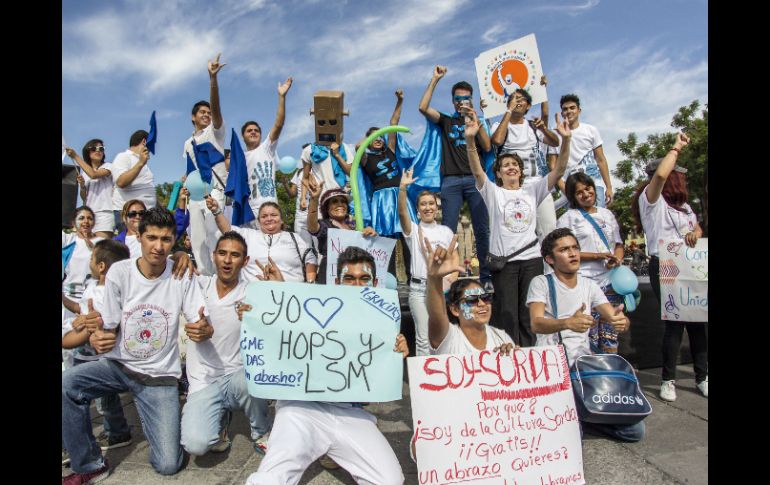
point(474, 299)
point(135, 214)
point(461, 98)
point(96, 149)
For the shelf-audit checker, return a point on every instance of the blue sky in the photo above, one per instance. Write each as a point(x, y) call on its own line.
point(632, 63)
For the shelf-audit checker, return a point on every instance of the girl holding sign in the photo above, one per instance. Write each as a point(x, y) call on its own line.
point(660, 208)
point(601, 249)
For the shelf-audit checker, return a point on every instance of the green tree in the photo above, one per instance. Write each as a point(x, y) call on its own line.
point(163, 193)
point(694, 158)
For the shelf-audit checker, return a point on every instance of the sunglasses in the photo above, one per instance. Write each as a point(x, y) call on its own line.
point(461, 98)
point(474, 299)
point(96, 149)
point(135, 214)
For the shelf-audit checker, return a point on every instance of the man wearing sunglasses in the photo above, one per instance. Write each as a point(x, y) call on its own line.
point(457, 182)
point(132, 176)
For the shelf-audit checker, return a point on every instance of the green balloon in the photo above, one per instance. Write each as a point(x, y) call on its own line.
point(357, 162)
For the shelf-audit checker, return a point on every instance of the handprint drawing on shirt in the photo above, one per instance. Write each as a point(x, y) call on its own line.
point(262, 180)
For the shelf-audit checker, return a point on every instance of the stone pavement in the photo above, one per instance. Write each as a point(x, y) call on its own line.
point(675, 450)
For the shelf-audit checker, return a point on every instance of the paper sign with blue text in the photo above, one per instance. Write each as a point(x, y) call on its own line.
point(321, 342)
point(684, 280)
point(491, 419)
point(379, 247)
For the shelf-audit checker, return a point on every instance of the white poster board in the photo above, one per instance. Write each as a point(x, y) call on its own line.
point(381, 248)
point(501, 70)
point(485, 418)
point(684, 280)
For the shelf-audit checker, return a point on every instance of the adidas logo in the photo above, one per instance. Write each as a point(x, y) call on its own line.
point(617, 399)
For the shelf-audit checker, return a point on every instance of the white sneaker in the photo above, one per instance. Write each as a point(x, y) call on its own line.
point(668, 391)
point(704, 387)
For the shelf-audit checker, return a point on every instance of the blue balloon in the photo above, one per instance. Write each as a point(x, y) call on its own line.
point(287, 165)
point(391, 282)
point(196, 186)
point(623, 280)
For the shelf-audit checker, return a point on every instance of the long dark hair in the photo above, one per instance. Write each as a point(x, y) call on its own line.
point(87, 152)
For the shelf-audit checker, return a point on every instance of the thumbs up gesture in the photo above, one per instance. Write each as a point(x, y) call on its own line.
point(93, 319)
point(200, 330)
point(579, 321)
point(619, 320)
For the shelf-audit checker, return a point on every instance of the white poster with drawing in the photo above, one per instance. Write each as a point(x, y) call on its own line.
point(684, 280)
point(502, 70)
point(381, 248)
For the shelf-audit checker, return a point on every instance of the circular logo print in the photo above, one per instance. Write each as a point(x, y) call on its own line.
point(517, 215)
point(507, 72)
point(145, 331)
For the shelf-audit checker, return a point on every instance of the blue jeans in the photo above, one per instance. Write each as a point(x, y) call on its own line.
point(630, 433)
point(157, 405)
point(600, 202)
point(203, 412)
point(111, 409)
point(454, 190)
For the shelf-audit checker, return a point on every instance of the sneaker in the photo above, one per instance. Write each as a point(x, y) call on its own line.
point(328, 463)
point(668, 391)
point(109, 442)
point(260, 444)
point(703, 386)
point(65, 457)
point(224, 442)
point(87, 478)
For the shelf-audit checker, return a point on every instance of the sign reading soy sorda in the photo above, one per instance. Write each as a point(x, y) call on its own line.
point(487, 418)
point(321, 342)
point(684, 281)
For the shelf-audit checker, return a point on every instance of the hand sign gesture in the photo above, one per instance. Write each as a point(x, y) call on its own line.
point(284, 88)
point(471, 123)
point(562, 126)
point(400, 94)
point(407, 179)
point(682, 141)
point(619, 320)
point(440, 261)
point(439, 72)
point(314, 187)
point(579, 321)
point(270, 271)
point(215, 66)
point(200, 330)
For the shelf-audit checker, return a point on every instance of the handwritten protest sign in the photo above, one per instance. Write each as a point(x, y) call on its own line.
point(684, 280)
point(486, 418)
point(380, 248)
point(321, 342)
point(502, 70)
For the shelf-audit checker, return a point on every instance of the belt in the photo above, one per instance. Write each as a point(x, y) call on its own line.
point(419, 281)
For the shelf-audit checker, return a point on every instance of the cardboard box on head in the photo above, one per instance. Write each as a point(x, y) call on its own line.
point(328, 112)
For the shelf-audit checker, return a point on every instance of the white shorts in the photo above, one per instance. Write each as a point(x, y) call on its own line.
point(105, 221)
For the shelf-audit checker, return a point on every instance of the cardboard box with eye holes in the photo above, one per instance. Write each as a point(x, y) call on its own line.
point(328, 112)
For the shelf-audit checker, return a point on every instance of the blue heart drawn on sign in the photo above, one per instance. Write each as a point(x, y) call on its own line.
point(325, 313)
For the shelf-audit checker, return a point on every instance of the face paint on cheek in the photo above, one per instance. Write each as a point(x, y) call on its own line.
point(467, 311)
point(344, 272)
point(368, 271)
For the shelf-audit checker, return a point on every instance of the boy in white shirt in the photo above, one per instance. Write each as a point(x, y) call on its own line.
point(576, 296)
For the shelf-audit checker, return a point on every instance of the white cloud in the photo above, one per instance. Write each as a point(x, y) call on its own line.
point(571, 10)
point(491, 34)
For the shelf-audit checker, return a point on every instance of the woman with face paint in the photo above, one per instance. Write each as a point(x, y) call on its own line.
point(601, 249)
point(467, 305)
point(335, 214)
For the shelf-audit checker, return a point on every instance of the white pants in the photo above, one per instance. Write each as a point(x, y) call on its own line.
point(203, 231)
point(304, 431)
point(419, 311)
point(105, 221)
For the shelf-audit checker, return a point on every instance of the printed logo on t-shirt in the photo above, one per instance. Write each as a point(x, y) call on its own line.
point(262, 180)
point(588, 165)
point(517, 215)
point(383, 168)
point(457, 135)
point(145, 330)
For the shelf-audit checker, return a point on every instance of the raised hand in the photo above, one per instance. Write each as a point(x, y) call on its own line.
point(543, 80)
point(284, 88)
point(71, 153)
point(439, 72)
point(212, 204)
point(579, 321)
point(471, 123)
point(406, 177)
point(400, 94)
point(314, 187)
point(200, 330)
point(441, 261)
point(562, 126)
point(144, 155)
point(214, 66)
point(682, 141)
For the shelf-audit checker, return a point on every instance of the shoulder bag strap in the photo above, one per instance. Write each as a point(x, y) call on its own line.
point(301, 258)
point(599, 231)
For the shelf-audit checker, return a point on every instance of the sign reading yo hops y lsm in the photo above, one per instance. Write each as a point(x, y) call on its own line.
point(502, 70)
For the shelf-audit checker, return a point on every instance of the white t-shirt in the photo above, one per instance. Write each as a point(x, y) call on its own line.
point(455, 341)
point(590, 242)
point(78, 269)
point(512, 217)
point(134, 246)
point(142, 188)
point(528, 144)
point(300, 216)
point(217, 138)
point(99, 190)
point(261, 164)
point(568, 301)
point(325, 170)
point(280, 247)
point(585, 139)
point(437, 234)
point(148, 313)
point(661, 221)
point(220, 355)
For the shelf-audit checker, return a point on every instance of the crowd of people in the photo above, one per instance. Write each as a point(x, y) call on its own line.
point(126, 290)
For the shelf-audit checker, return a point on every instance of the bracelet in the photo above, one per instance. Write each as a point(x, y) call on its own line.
point(219, 211)
point(675, 149)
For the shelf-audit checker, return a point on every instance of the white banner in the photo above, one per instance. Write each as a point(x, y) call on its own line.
point(684, 280)
point(381, 248)
point(502, 70)
point(486, 418)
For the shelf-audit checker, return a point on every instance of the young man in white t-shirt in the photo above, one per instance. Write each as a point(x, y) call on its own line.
point(215, 366)
point(132, 176)
point(576, 296)
point(144, 299)
point(261, 158)
point(306, 430)
point(209, 135)
point(529, 140)
point(586, 151)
